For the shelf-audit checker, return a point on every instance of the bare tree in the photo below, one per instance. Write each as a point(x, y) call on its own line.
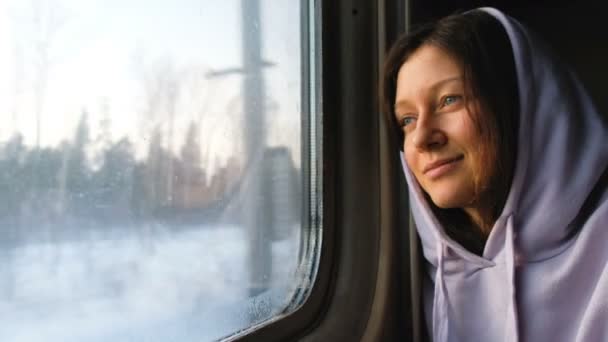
point(171, 96)
point(47, 19)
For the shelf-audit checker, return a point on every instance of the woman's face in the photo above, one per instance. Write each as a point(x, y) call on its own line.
point(441, 145)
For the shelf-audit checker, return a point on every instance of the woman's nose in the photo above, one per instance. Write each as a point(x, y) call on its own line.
point(427, 136)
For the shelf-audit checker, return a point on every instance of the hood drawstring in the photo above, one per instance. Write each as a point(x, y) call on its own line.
point(440, 305)
point(512, 333)
point(441, 320)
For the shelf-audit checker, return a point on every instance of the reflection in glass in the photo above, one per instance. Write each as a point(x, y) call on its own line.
point(150, 168)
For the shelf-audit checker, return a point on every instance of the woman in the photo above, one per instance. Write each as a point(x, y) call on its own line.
point(506, 159)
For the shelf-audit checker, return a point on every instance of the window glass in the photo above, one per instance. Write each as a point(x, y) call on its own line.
point(154, 184)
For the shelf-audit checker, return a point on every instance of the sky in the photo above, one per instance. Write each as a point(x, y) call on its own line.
point(105, 58)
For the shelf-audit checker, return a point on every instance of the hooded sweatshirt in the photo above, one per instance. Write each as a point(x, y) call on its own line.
point(543, 274)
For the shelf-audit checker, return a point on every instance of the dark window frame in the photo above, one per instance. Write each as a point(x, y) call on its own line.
point(362, 289)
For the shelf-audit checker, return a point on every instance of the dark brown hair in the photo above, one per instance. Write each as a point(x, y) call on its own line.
point(480, 44)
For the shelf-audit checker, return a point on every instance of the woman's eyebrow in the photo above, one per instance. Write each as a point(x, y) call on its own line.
point(402, 103)
point(445, 81)
point(434, 87)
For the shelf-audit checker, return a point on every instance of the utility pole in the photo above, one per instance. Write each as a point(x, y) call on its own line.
point(256, 204)
point(256, 216)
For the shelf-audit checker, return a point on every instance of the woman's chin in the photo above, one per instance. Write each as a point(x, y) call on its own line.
point(447, 201)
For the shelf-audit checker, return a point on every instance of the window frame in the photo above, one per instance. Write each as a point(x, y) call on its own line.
point(362, 287)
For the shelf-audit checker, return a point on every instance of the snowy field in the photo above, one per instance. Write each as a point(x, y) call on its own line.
point(186, 285)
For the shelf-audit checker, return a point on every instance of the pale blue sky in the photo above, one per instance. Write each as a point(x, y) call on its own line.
point(102, 50)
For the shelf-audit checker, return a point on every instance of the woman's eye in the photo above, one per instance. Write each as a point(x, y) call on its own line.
point(407, 120)
point(449, 100)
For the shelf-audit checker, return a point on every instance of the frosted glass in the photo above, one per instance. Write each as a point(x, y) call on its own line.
point(151, 173)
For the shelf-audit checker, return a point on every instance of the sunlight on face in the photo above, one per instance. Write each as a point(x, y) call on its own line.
point(441, 145)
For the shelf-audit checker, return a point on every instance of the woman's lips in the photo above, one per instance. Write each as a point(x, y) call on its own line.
point(439, 168)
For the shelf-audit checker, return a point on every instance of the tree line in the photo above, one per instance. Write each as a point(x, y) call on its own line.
point(41, 185)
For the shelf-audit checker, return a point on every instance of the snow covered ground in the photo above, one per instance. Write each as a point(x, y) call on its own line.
point(165, 285)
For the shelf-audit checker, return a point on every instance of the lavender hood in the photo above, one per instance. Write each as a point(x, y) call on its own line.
point(535, 281)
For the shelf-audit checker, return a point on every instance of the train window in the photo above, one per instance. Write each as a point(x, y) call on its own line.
point(155, 168)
